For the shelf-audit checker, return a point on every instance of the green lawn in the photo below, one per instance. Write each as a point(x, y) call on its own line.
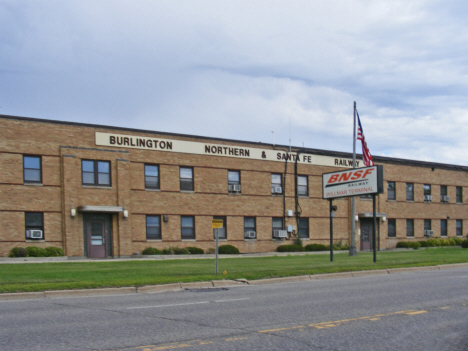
point(81, 275)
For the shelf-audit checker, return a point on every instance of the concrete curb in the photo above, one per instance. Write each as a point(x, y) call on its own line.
point(153, 289)
point(89, 292)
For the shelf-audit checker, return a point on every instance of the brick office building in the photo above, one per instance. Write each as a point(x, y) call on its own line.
point(99, 191)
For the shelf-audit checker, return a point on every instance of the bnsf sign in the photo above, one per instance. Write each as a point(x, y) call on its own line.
point(354, 175)
point(353, 182)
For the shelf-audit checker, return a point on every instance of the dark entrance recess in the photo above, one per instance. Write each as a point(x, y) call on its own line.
point(97, 235)
point(366, 233)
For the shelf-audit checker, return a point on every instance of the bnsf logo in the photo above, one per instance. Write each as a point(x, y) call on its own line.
point(351, 175)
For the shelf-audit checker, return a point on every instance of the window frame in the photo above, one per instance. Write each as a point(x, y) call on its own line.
point(306, 193)
point(250, 228)
point(96, 173)
point(147, 186)
point(443, 231)
point(391, 192)
point(235, 182)
point(300, 228)
point(443, 192)
point(275, 184)
point(391, 234)
point(192, 182)
point(158, 236)
point(410, 228)
point(409, 191)
point(26, 181)
point(34, 227)
point(459, 227)
point(273, 228)
point(459, 194)
point(192, 234)
point(223, 234)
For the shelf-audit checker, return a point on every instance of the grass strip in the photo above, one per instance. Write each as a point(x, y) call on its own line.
point(27, 277)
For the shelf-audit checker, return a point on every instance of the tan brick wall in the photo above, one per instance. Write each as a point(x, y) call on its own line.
point(63, 146)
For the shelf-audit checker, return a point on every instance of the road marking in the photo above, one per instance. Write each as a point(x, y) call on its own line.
point(444, 308)
point(417, 312)
point(184, 304)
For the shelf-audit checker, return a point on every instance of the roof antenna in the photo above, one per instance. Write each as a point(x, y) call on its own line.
point(289, 134)
point(273, 137)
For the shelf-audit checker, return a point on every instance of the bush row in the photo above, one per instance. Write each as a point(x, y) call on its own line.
point(33, 251)
point(408, 245)
point(223, 249)
point(434, 242)
point(310, 247)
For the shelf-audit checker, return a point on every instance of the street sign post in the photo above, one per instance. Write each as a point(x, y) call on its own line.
point(216, 224)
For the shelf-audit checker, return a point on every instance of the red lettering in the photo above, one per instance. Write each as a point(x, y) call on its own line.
point(333, 178)
point(368, 171)
point(345, 176)
point(356, 175)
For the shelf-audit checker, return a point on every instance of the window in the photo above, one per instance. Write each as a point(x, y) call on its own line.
point(277, 224)
point(250, 228)
point(302, 185)
point(276, 183)
point(234, 182)
point(391, 228)
point(443, 193)
point(303, 228)
point(459, 224)
point(187, 225)
point(32, 169)
point(443, 227)
point(151, 176)
point(409, 191)
point(391, 190)
point(427, 192)
point(221, 231)
point(427, 224)
point(34, 221)
point(459, 194)
point(95, 172)
point(186, 178)
point(410, 227)
point(153, 227)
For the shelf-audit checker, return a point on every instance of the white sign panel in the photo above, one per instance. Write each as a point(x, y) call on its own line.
point(354, 182)
point(191, 147)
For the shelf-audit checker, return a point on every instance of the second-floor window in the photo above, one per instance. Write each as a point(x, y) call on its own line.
point(234, 182)
point(95, 172)
point(409, 192)
point(459, 194)
point(32, 172)
point(276, 183)
point(151, 176)
point(391, 190)
point(302, 186)
point(186, 178)
point(443, 193)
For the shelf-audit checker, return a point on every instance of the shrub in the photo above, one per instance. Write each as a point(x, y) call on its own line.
point(195, 250)
point(228, 250)
point(289, 248)
point(151, 251)
point(167, 251)
point(315, 247)
point(34, 251)
point(458, 241)
point(211, 250)
point(180, 251)
point(53, 251)
point(423, 243)
point(18, 252)
point(408, 245)
point(464, 244)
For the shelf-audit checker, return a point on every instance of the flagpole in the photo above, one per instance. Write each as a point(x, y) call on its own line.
point(352, 246)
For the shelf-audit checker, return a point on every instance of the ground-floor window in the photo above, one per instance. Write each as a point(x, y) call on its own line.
point(153, 227)
point(459, 224)
point(391, 228)
point(250, 230)
point(187, 226)
point(410, 227)
point(222, 232)
point(303, 228)
point(443, 227)
point(34, 225)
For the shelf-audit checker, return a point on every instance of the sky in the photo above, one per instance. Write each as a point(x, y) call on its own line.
point(261, 71)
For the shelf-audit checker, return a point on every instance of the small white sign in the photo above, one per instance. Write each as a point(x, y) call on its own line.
point(353, 182)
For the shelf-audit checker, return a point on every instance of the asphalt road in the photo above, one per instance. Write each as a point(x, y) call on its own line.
point(425, 310)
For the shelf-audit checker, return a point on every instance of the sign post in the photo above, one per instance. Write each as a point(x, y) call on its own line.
point(355, 182)
point(216, 224)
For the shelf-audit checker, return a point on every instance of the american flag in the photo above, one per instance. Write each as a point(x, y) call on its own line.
point(366, 155)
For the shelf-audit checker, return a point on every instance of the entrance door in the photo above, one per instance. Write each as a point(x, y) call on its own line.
point(96, 237)
point(366, 234)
